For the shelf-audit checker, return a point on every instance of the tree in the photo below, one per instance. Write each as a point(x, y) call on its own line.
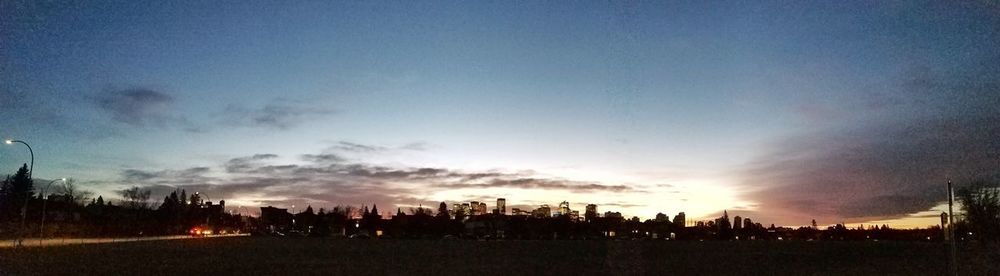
point(6, 194)
point(73, 193)
point(135, 198)
point(443, 210)
point(16, 191)
point(981, 206)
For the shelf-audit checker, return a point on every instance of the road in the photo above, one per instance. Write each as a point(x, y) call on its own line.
point(69, 241)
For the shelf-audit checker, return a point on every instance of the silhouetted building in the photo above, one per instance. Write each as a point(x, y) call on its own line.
point(502, 206)
point(610, 214)
point(747, 223)
point(474, 208)
point(680, 220)
point(661, 217)
point(465, 209)
point(480, 208)
point(456, 210)
point(519, 212)
point(591, 212)
point(542, 212)
point(564, 208)
point(275, 219)
point(737, 223)
point(213, 209)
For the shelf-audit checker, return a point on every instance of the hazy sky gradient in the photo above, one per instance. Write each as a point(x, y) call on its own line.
point(784, 111)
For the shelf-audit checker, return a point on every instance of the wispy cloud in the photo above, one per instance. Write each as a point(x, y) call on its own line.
point(248, 163)
point(534, 183)
point(327, 180)
point(361, 148)
point(277, 114)
point(138, 106)
point(355, 147)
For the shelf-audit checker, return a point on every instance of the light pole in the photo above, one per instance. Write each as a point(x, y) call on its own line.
point(31, 170)
point(45, 201)
point(951, 229)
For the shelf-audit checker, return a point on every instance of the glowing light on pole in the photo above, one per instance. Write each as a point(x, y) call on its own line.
point(31, 170)
point(45, 201)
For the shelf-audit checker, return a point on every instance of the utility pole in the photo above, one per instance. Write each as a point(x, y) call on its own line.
point(951, 230)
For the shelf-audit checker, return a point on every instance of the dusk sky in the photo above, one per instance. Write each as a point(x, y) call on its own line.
point(783, 112)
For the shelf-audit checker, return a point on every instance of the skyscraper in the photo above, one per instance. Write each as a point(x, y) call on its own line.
point(737, 223)
point(680, 220)
point(502, 205)
point(543, 211)
point(481, 209)
point(661, 217)
point(564, 208)
point(465, 209)
point(591, 212)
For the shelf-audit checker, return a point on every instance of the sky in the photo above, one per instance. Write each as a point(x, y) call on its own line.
point(843, 112)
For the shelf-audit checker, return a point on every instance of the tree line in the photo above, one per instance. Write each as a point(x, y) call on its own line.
point(72, 212)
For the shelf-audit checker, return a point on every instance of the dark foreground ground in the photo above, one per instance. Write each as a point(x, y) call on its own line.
point(304, 256)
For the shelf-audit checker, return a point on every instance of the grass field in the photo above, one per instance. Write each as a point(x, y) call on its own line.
point(307, 256)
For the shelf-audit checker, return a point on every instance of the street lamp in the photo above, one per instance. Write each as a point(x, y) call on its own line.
point(31, 170)
point(45, 201)
point(31, 167)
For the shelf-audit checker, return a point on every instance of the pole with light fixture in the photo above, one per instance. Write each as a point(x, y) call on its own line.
point(951, 230)
point(45, 201)
point(31, 170)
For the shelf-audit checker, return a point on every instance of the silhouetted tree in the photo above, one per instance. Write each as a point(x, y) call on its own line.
point(135, 198)
point(6, 197)
point(73, 193)
point(981, 206)
point(18, 189)
point(443, 210)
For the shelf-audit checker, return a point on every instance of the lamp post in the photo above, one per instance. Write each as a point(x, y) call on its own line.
point(45, 201)
point(951, 229)
point(31, 170)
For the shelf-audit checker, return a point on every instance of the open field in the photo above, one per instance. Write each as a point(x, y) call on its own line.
point(298, 256)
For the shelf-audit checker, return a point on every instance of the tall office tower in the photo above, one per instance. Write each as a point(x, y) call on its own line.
point(502, 205)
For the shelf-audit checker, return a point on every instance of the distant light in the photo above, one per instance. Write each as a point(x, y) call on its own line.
point(8, 142)
point(63, 179)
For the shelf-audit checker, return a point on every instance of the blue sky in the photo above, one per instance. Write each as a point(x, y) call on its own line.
point(689, 106)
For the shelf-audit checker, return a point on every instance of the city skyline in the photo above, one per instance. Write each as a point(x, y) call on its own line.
point(852, 113)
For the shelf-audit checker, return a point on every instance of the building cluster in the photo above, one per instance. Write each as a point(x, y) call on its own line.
point(472, 220)
point(477, 208)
